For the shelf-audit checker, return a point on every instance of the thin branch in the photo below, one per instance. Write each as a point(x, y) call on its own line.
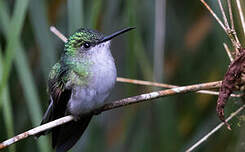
point(232, 21)
point(147, 83)
point(231, 15)
point(215, 129)
point(58, 33)
point(228, 52)
point(113, 105)
point(214, 15)
point(241, 15)
point(224, 16)
point(231, 33)
point(36, 130)
point(162, 85)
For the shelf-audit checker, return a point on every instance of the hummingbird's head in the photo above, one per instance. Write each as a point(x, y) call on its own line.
point(84, 40)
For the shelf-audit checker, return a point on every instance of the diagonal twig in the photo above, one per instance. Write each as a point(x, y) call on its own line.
point(199, 142)
point(232, 21)
point(228, 52)
point(58, 33)
point(230, 33)
point(230, 14)
point(239, 7)
point(224, 16)
point(214, 15)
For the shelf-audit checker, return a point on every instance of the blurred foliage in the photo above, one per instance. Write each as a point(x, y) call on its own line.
point(193, 53)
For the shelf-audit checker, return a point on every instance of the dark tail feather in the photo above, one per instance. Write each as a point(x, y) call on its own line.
point(48, 116)
point(65, 136)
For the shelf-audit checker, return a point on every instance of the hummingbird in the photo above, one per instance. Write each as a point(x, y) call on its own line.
point(78, 83)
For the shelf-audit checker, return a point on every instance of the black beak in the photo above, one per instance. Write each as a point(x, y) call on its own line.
point(109, 37)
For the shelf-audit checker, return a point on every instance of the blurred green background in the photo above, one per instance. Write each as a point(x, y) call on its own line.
point(175, 42)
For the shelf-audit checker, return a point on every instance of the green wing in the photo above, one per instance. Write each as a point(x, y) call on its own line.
point(59, 97)
point(57, 81)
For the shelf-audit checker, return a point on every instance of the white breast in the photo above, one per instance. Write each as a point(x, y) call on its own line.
point(102, 80)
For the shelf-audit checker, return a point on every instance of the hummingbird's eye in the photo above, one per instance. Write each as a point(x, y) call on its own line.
point(86, 45)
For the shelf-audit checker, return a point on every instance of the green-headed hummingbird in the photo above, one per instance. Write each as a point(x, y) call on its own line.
point(79, 83)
